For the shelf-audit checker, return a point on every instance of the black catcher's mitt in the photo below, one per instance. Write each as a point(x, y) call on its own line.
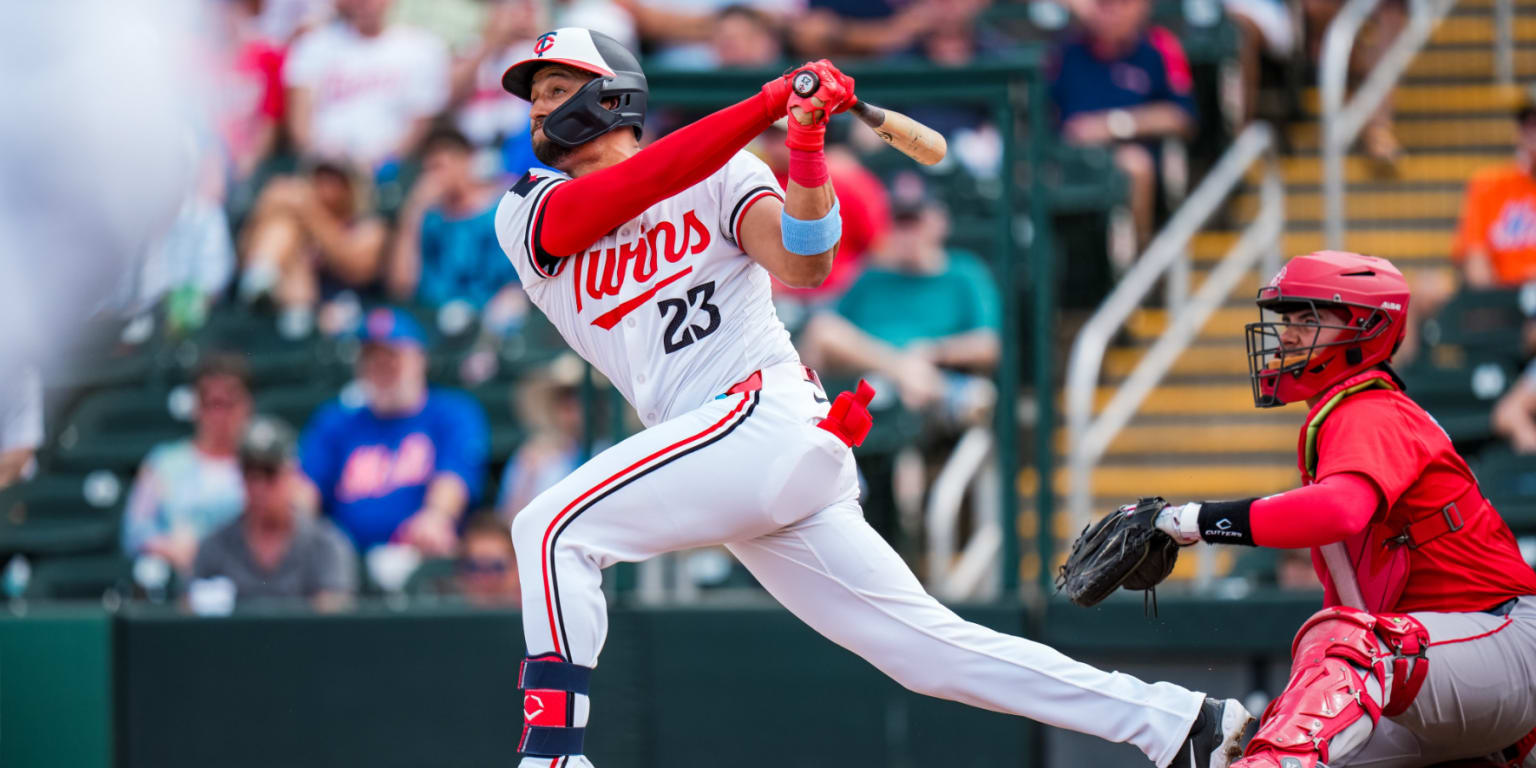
point(1125, 549)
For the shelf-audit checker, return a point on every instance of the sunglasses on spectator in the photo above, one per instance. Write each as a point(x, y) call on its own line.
point(474, 566)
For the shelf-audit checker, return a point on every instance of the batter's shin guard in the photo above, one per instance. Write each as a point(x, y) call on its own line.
point(550, 685)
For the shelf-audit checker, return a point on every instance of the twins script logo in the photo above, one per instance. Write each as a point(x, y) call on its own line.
point(602, 272)
point(545, 42)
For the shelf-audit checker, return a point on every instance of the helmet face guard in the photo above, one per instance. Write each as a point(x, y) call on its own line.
point(1281, 375)
point(583, 117)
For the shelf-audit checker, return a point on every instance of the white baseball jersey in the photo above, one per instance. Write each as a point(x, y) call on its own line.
point(673, 312)
point(667, 306)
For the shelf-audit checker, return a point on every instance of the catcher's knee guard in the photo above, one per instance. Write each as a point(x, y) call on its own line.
point(550, 684)
point(1334, 653)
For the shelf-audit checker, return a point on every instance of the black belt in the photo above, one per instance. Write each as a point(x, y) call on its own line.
point(1504, 608)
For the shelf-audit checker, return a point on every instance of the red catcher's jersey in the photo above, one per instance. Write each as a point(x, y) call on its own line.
point(1386, 437)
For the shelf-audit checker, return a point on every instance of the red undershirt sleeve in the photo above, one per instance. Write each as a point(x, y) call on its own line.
point(1339, 506)
point(582, 210)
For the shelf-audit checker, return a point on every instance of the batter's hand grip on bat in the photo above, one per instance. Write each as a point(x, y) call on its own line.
point(908, 136)
point(849, 417)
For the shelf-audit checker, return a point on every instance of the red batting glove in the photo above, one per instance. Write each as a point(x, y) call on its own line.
point(818, 91)
point(849, 417)
point(775, 93)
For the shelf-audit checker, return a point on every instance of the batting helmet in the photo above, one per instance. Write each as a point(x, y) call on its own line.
point(583, 117)
point(1370, 295)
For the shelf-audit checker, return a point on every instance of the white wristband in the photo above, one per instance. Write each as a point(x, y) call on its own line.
point(1181, 522)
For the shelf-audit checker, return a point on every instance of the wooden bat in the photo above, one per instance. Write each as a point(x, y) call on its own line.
point(908, 136)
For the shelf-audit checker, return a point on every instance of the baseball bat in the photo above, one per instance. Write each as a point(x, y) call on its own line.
point(908, 136)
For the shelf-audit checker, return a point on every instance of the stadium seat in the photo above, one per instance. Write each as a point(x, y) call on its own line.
point(295, 405)
point(81, 577)
point(62, 514)
point(1462, 398)
point(1508, 480)
point(115, 429)
point(496, 398)
point(1478, 325)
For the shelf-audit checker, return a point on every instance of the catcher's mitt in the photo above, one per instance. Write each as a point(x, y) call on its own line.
point(1125, 549)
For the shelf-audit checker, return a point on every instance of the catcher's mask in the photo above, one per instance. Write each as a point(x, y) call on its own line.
point(583, 117)
point(1364, 298)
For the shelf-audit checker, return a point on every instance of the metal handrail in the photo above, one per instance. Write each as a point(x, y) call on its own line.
point(1341, 122)
point(954, 573)
point(1089, 437)
point(1504, 42)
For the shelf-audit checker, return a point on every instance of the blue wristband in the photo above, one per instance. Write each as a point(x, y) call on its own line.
point(808, 238)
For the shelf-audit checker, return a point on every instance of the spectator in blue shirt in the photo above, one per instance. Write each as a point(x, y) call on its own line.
point(445, 248)
point(1125, 84)
point(403, 466)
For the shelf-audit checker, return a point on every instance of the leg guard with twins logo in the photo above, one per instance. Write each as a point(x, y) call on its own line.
point(550, 685)
point(1348, 669)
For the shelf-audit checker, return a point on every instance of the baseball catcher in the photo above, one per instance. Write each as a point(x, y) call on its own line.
point(1425, 651)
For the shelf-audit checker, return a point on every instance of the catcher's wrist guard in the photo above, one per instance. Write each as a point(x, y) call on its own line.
point(1125, 549)
point(1226, 522)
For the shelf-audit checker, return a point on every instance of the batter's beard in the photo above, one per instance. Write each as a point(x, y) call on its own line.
point(548, 152)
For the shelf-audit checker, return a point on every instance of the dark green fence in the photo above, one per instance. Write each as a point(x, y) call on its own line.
point(424, 686)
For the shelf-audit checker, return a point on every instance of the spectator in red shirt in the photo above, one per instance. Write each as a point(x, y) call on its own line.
point(252, 99)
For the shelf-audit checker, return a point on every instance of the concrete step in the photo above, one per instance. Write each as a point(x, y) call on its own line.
point(1478, 29)
point(1399, 205)
point(1224, 323)
point(1193, 440)
point(1232, 399)
point(1445, 99)
point(1408, 244)
point(1209, 359)
point(1470, 63)
point(1187, 481)
point(1419, 168)
point(1486, 134)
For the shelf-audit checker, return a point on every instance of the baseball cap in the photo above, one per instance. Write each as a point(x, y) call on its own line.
point(396, 327)
point(909, 197)
point(268, 444)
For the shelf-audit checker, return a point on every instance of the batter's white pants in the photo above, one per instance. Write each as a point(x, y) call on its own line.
point(753, 472)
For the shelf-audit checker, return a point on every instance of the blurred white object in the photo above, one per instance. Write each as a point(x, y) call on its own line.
point(367, 91)
point(18, 573)
point(211, 597)
point(152, 573)
point(391, 565)
point(96, 155)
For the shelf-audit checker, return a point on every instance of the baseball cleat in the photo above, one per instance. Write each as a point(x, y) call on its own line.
point(1216, 739)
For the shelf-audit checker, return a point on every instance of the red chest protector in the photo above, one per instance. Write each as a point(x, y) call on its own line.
point(1379, 555)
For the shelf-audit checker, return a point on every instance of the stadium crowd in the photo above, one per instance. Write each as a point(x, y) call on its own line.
point(350, 173)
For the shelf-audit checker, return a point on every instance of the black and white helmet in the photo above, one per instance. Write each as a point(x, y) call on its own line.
point(583, 117)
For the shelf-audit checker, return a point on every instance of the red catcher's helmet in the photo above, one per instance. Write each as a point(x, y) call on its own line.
point(1368, 291)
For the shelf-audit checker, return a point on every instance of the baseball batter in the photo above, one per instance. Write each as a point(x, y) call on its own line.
point(1426, 650)
point(654, 264)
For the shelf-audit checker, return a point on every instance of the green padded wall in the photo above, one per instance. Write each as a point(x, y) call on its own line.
point(56, 689)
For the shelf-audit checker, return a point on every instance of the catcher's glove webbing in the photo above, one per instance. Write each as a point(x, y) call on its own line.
point(1125, 549)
